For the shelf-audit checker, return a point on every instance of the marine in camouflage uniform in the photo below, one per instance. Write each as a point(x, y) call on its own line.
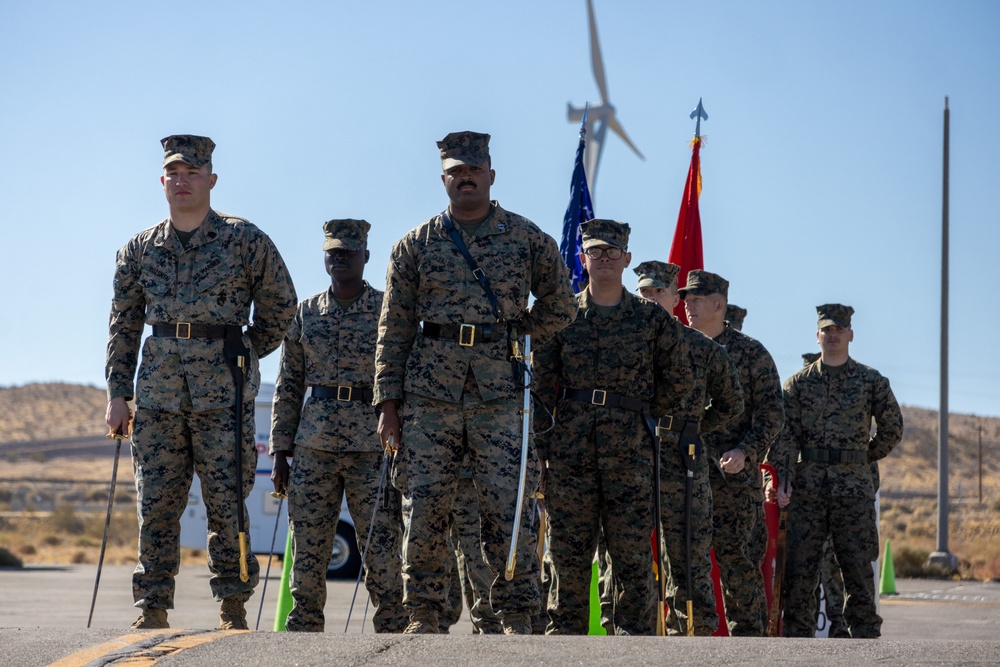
point(824, 463)
point(623, 358)
point(442, 366)
point(193, 277)
point(715, 400)
point(737, 449)
point(735, 316)
point(330, 350)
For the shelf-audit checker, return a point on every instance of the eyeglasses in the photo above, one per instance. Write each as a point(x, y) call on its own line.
point(610, 253)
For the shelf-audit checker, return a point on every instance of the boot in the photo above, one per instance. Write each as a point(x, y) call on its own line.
point(233, 615)
point(517, 624)
point(154, 618)
point(422, 622)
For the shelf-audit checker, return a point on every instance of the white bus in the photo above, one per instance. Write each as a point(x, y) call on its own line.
point(263, 509)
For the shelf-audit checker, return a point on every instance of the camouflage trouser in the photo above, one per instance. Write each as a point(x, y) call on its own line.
point(848, 522)
point(317, 483)
point(757, 549)
point(166, 448)
point(474, 574)
point(833, 591)
point(437, 436)
point(674, 543)
point(453, 613)
point(674, 546)
point(581, 502)
point(735, 510)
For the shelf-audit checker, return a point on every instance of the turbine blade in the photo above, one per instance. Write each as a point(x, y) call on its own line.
point(596, 60)
point(620, 131)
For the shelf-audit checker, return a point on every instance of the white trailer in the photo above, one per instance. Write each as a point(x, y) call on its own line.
point(263, 509)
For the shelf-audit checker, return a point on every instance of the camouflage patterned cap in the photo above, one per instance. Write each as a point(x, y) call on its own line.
point(656, 274)
point(347, 234)
point(458, 148)
point(834, 314)
point(189, 148)
point(605, 232)
point(735, 316)
point(703, 283)
point(809, 358)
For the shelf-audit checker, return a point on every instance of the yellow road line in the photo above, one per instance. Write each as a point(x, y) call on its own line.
point(141, 656)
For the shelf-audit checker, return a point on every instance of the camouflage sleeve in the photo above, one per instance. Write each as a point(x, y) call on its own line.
point(273, 295)
point(888, 421)
point(785, 451)
point(128, 313)
point(546, 365)
point(671, 366)
point(555, 306)
point(397, 324)
point(763, 394)
point(289, 390)
point(724, 390)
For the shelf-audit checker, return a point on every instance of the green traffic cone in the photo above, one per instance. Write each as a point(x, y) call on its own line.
point(595, 603)
point(284, 593)
point(887, 582)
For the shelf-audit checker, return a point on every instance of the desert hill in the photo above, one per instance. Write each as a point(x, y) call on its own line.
point(58, 411)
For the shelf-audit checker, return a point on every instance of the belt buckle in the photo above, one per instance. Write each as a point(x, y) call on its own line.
point(187, 331)
point(343, 395)
point(466, 335)
point(668, 427)
point(603, 397)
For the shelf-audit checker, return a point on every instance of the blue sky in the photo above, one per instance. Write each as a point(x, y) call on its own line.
point(821, 168)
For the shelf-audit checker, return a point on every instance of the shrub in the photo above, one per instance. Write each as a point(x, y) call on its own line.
point(910, 562)
point(51, 540)
point(7, 559)
point(64, 519)
point(78, 558)
point(27, 550)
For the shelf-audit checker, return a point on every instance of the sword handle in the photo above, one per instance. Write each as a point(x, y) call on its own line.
point(244, 572)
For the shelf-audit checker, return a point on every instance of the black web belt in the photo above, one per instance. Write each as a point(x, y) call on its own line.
point(832, 455)
point(604, 399)
point(343, 393)
point(192, 330)
point(678, 425)
point(465, 335)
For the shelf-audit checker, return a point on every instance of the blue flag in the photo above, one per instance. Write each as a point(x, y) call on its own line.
point(580, 210)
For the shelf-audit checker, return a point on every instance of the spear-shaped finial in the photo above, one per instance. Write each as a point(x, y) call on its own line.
point(583, 122)
point(700, 114)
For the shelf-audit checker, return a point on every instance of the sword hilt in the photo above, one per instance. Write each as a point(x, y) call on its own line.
point(244, 571)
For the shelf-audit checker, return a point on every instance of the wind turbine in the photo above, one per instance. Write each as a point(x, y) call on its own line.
point(601, 116)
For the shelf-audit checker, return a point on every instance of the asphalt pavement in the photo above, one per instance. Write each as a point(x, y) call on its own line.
point(43, 618)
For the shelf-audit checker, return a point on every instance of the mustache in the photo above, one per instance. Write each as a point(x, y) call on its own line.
point(462, 184)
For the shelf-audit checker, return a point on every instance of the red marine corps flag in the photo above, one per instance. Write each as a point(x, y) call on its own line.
point(685, 251)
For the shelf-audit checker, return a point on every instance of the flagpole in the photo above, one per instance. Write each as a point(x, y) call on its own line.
point(942, 557)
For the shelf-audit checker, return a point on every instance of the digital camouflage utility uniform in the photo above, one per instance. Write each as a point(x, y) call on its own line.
point(827, 436)
point(600, 456)
point(463, 400)
point(185, 393)
point(737, 498)
point(716, 385)
point(335, 450)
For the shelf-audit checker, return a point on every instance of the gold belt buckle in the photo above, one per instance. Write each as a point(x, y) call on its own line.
point(466, 340)
point(599, 401)
point(660, 427)
point(344, 393)
point(187, 331)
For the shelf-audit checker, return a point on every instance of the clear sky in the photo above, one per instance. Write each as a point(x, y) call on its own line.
point(821, 167)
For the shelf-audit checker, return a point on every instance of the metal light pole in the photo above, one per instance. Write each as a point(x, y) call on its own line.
point(942, 557)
